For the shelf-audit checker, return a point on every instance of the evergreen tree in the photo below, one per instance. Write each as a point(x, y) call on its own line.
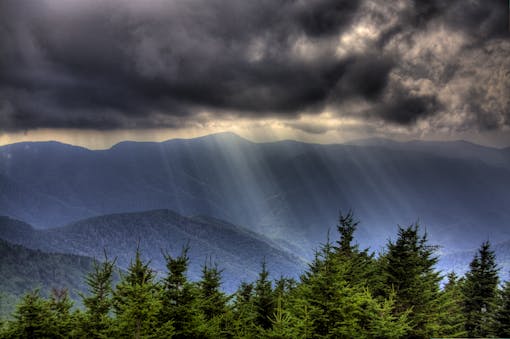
point(60, 305)
point(327, 304)
point(263, 300)
point(361, 265)
point(179, 297)
point(283, 323)
point(212, 302)
point(409, 272)
point(32, 318)
point(243, 311)
point(96, 321)
point(452, 320)
point(503, 313)
point(480, 292)
point(136, 302)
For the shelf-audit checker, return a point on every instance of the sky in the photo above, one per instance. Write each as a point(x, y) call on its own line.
point(96, 72)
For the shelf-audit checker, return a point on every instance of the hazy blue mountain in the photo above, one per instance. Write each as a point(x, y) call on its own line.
point(458, 149)
point(23, 270)
point(240, 252)
point(287, 190)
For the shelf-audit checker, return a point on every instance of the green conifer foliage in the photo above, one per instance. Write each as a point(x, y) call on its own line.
point(60, 305)
point(179, 297)
point(452, 320)
point(503, 313)
point(263, 299)
point(32, 318)
point(96, 321)
point(480, 291)
point(136, 301)
point(408, 269)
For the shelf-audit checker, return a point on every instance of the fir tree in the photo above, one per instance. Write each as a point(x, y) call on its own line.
point(243, 312)
point(360, 264)
point(96, 321)
point(212, 300)
point(263, 299)
point(409, 272)
point(60, 305)
point(136, 301)
point(327, 304)
point(452, 320)
point(480, 292)
point(178, 297)
point(32, 318)
point(346, 228)
point(212, 303)
point(503, 313)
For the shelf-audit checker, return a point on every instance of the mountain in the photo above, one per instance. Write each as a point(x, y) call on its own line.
point(23, 269)
point(287, 190)
point(458, 149)
point(238, 251)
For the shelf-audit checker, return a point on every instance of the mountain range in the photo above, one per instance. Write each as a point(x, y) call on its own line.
point(238, 251)
point(239, 203)
point(286, 190)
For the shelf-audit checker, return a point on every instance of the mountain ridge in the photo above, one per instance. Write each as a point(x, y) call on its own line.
point(286, 190)
point(239, 251)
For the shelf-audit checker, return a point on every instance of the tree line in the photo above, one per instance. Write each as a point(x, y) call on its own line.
point(346, 292)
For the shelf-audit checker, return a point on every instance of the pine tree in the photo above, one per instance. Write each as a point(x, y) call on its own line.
point(480, 292)
point(360, 264)
point(60, 305)
point(96, 321)
point(179, 297)
point(409, 272)
point(212, 302)
point(263, 299)
point(346, 228)
point(327, 304)
point(136, 301)
point(32, 318)
point(283, 323)
point(452, 320)
point(503, 313)
point(243, 312)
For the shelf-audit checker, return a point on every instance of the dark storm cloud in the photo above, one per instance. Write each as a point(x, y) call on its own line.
point(365, 76)
point(125, 64)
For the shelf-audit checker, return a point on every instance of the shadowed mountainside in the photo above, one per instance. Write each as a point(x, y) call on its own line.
point(238, 251)
point(285, 190)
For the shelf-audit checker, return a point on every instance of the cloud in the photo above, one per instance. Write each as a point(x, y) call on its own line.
point(123, 64)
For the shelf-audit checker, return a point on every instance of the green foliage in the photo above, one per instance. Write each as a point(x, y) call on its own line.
point(36, 317)
point(345, 293)
point(179, 297)
point(408, 269)
point(263, 299)
point(136, 301)
point(451, 318)
point(96, 321)
point(480, 290)
point(328, 304)
point(502, 328)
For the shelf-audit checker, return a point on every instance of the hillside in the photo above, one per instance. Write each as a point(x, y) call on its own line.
point(23, 269)
point(239, 251)
point(285, 190)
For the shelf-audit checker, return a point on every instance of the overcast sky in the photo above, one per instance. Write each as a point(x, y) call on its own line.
point(315, 70)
